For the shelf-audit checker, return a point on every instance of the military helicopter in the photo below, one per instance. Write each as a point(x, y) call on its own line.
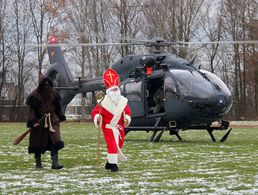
point(165, 92)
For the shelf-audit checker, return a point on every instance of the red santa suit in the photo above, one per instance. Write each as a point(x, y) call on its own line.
point(112, 118)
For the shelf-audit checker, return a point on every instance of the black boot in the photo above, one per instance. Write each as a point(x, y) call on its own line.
point(38, 162)
point(55, 164)
point(54, 158)
point(107, 166)
point(113, 167)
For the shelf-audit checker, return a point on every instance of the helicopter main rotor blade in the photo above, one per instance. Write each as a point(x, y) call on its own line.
point(77, 44)
point(218, 42)
point(163, 42)
point(156, 41)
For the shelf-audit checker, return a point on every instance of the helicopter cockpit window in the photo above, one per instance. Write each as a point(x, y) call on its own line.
point(216, 80)
point(133, 91)
point(192, 84)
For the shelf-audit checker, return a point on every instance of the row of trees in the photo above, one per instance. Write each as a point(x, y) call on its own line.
point(26, 25)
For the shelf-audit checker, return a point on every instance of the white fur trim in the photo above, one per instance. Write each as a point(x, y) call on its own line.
point(119, 110)
point(96, 117)
point(116, 134)
point(112, 158)
point(128, 118)
point(111, 107)
point(121, 156)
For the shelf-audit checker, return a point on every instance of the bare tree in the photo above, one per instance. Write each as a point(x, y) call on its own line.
point(211, 26)
point(252, 62)
point(21, 34)
point(127, 20)
point(78, 18)
point(238, 15)
point(3, 52)
point(44, 16)
point(89, 22)
point(174, 20)
point(3, 44)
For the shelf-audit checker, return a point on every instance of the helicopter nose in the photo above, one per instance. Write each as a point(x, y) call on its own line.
point(216, 106)
point(221, 106)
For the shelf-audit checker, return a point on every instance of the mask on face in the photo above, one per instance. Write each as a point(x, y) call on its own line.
point(114, 94)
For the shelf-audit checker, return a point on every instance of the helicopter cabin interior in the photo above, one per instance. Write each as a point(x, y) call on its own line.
point(155, 95)
point(152, 90)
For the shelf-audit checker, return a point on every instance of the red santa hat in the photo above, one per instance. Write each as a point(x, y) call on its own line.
point(111, 78)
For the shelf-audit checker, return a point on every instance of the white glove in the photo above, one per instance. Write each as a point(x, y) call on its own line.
point(127, 120)
point(97, 119)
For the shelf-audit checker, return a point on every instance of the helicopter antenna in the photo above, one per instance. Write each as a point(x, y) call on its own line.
point(192, 61)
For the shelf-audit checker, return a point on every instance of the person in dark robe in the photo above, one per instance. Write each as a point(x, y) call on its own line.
point(44, 117)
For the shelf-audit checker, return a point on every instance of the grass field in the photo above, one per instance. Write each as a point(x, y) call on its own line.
point(193, 166)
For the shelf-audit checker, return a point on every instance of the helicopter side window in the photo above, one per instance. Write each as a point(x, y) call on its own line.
point(170, 87)
point(133, 91)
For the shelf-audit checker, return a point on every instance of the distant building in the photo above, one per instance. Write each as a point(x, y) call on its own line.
point(73, 110)
point(74, 107)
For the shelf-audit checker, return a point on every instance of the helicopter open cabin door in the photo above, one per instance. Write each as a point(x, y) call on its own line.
point(155, 95)
point(133, 91)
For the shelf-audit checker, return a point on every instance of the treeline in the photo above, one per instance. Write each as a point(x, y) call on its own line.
point(25, 26)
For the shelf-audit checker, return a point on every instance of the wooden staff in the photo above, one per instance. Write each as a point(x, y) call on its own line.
point(21, 137)
point(100, 96)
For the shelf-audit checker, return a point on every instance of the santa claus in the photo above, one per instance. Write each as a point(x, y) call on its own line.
point(112, 113)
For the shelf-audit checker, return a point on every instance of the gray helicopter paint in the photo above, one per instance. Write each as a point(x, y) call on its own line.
point(126, 65)
point(183, 112)
point(56, 57)
point(60, 74)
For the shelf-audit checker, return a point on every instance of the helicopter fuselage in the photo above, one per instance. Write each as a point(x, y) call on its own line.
point(186, 97)
point(164, 92)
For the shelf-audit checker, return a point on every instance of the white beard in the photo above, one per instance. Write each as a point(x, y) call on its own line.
point(115, 98)
point(114, 95)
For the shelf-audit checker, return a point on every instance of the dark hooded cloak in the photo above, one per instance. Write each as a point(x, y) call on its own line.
point(44, 109)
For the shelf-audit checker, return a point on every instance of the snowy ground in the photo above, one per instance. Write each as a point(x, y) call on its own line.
point(194, 166)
